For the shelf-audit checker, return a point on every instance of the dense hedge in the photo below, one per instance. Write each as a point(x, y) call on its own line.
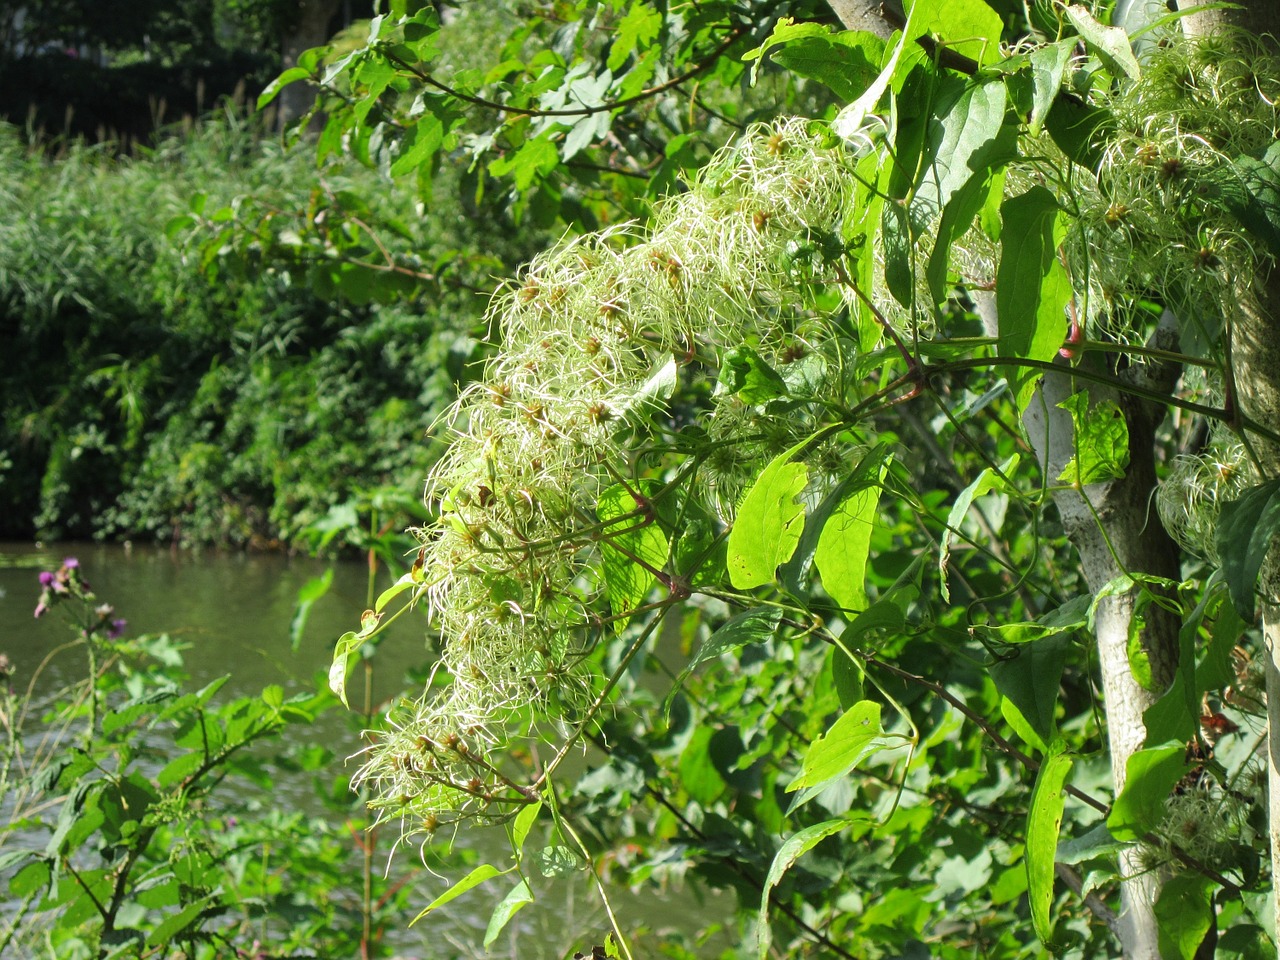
point(143, 394)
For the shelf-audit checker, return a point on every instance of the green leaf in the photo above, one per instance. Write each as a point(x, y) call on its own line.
point(1150, 776)
point(184, 920)
point(757, 625)
point(843, 546)
point(1032, 286)
point(347, 644)
point(584, 133)
point(273, 696)
point(311, 591)
point(535, 158)
point(966, 140)
point(1094, 843)
point(1048, 65)
point(557, 861)
point(1245, 941)
point(1184, 914)
point(1101, 439)
point(1251, 192)
point(1216, 667)
point(632, 547)
point(406, 582)
point(795, 846)
point(769, 523)
point(786, 30)
point(870, 471)
point(33, 877)
point(273, 88)
point(1072, 615)
point(1176, 714)
point(486, 871)
point(965, 205)
point(897, 239)
point(849, 121)
point(1111, 44)
point(1079, 129)
point(854, 737)
point(699, 774)
point(847, 676)
point(1246, 529)
point(984, 483)
point(1028, 684)
point(743, 372)
point(1044, 822)
point(847, 62)
point(970, 27)
point(420, 145)
point(653, 393)
point(640, 27)
point(516, 898)
point(523, 824)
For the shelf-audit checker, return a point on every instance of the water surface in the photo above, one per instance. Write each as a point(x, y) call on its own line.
point(232, 611)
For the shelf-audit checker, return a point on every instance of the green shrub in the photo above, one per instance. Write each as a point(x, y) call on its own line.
point(154, 389)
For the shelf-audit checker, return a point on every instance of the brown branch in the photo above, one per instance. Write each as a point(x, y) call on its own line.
point(700, 68)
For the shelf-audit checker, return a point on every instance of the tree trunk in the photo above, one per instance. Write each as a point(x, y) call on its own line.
point(1113, 528)
point(1115, 531)
point(311, 29)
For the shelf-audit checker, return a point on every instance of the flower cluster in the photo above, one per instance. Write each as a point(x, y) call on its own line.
point(1159, 217)
point(593, 337)
point(68, 583)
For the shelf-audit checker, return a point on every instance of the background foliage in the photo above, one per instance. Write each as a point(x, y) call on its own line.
point(153, 391)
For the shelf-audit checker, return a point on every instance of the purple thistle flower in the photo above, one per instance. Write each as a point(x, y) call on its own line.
point(46, 578)
point(116, 628)
point(70, 563)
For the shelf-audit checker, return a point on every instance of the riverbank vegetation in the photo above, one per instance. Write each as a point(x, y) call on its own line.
point(155, 390)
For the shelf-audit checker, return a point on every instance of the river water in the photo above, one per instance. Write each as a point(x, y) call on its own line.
point(233, 610)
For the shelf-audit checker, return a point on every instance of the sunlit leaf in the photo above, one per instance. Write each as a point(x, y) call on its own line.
point(1150, 776)
point(769, 523)
point(633, 548)
point(479, 875)
point(1101, 441)
point(1246, 529)
point(970, 27)
point(1032, 286)
point(516, 898)
point(855, 736)
point(311, 591)
point(1184, 913)
point(841, 554)
point(745, 373)
point(984, 483)
point(1044, 822)
point(1111, 44)
point(795, 846)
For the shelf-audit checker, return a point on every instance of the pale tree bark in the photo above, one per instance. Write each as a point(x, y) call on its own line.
point(1115, 531)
